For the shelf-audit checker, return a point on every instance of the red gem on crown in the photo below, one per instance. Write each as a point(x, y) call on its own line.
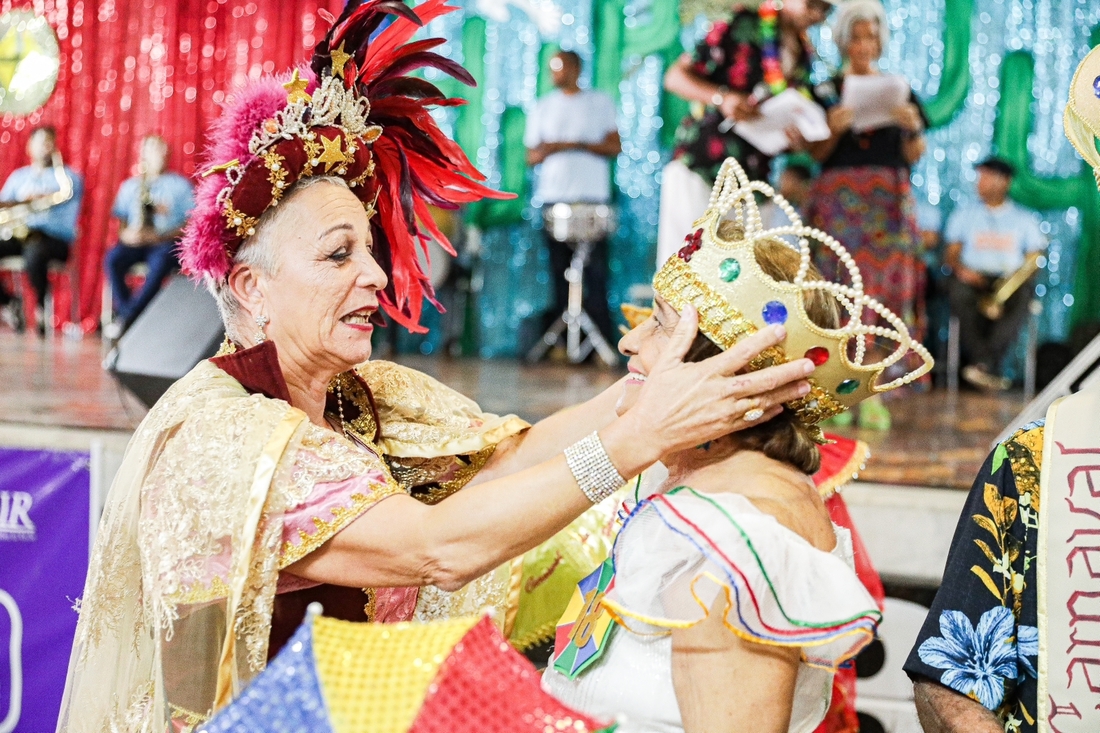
point(694, 244)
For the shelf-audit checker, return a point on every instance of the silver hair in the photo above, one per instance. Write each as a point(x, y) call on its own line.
point(261, 253)
point(853, 11)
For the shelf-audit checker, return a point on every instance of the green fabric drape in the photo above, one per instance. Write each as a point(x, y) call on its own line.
point(661, 32)
point(607, 30)
point(1014, 120)
point(469, 131)
point(955, 79)
point(512, 161)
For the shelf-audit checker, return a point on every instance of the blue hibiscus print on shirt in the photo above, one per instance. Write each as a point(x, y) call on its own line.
point(1027, 645)
point(977, 660)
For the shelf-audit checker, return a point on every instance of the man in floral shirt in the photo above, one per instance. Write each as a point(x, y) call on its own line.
point(740, 63)
point(974, 662)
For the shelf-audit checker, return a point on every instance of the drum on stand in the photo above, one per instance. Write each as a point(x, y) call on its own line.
point(575, 223)
point(580, 226)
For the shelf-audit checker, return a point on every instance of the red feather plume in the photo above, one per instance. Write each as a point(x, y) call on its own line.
point(417, 164)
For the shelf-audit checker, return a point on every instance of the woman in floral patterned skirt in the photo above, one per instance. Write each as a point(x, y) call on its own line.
point(863, 196)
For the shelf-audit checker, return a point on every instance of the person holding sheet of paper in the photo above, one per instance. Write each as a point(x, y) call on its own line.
point(863, 195)
point(740, 66)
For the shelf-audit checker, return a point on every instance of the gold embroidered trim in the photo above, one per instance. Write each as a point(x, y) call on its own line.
point(199, 593)
point(239, 222)
point(313, 151)
point(352, 391)
point(276, 175)
point(370, 608)
point(421, 476)
point(466, 473)
point(850, 471)
point(540, 635)
point(515, 585)
point(190, 720)
point(368, 172)
point(341, 518)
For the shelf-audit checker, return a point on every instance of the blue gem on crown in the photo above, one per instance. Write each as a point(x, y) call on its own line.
point(774, 313)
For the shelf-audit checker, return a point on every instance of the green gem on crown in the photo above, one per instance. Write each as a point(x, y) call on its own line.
point(848, 386)
point(729, 269)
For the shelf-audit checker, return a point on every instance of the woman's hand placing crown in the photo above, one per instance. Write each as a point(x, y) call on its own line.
point(684, 404)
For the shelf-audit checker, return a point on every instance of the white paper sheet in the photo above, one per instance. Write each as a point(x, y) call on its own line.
point(873, 99)
point(767, 132)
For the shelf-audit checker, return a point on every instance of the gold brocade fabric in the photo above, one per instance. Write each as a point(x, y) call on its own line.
point(421, 418)
point(174, 539)
point(435, 440)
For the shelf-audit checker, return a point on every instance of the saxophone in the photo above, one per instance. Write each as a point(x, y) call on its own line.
point(148, 206)
point(992, 306)
point(13, 218)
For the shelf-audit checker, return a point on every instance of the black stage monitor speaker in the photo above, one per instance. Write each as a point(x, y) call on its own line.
point(178, 329)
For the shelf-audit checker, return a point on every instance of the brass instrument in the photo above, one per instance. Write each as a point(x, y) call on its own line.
point(992, 306)
point(13, 218)
point(148, 206)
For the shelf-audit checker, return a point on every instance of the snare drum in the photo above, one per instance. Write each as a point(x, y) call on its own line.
point(578, 222)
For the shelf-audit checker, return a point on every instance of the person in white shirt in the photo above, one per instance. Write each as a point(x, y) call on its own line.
point(987, 240)
point(572, 136)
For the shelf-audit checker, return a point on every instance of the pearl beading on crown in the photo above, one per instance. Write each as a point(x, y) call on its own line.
point(734, 192)
point(332, 104)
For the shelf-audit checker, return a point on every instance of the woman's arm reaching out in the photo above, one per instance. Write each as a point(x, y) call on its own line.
point(401, 542)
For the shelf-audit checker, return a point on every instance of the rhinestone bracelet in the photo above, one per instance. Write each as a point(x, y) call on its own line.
point(593, 469)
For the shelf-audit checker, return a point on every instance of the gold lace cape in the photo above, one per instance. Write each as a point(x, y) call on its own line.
point(191, 536)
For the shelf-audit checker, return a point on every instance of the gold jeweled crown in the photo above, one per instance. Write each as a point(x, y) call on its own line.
point(735, 298)
point(1082, 116)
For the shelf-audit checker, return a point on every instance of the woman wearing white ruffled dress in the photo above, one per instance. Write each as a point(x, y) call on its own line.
point(734, 594)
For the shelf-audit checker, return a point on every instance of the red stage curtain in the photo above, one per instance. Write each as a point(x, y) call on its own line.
point(134, 67)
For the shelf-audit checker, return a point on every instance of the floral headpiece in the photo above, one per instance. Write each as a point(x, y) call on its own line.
point(735, 298)
point(353, 113)
point(1082, 116)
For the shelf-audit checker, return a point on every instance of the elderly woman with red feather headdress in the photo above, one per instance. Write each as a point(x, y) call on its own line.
point(290, 468)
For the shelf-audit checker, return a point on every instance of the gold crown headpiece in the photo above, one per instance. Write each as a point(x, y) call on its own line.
point(734, 298)
point(1082, 115)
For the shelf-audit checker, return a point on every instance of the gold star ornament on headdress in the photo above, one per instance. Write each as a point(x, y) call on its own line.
point(339, 60)
point(1082, 117)
point(332, 153)
point(296, 89)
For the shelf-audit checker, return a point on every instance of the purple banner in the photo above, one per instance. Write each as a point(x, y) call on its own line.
point(44, 518)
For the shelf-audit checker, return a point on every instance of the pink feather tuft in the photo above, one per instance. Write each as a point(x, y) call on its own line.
point(202, 249)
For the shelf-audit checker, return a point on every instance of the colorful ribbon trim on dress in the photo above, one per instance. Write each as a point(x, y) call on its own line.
point(739, 592)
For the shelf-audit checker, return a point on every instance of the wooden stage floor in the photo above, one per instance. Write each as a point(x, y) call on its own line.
point(60, 383)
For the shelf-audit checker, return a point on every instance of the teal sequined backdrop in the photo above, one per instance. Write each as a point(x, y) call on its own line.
point(988, 70)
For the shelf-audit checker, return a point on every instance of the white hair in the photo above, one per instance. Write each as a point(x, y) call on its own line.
point(261, 253)
point(852, 12)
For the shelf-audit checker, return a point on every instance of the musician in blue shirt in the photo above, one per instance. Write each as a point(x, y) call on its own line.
point(988, 240)
point(152, 208)
point(46, 234)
